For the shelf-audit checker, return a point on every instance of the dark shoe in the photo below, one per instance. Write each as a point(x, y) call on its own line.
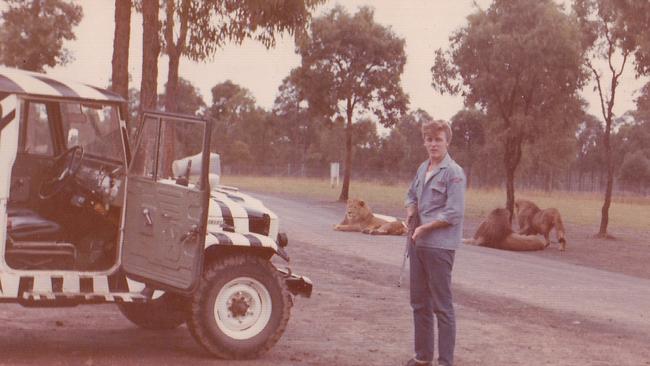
point(414, 362)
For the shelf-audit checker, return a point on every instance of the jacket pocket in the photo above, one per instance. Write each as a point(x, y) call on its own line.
point(438, 194)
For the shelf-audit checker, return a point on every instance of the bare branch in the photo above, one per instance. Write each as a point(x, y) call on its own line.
point(626, 53)
point(600, 89)
point(610, 45)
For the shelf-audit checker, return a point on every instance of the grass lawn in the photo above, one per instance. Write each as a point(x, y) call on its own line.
point(576, 207)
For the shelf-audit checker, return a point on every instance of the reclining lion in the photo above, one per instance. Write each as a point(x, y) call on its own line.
point(359, 217)
point(495, 232)
point(533, 220)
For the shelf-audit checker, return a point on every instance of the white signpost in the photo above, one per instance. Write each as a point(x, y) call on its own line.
point(334, 174)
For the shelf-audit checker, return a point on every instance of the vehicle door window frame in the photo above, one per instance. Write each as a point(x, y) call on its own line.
point(24, 127)
point(159, 120)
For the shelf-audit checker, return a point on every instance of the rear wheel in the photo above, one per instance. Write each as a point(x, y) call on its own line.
point(241, 307)
point(167, 312)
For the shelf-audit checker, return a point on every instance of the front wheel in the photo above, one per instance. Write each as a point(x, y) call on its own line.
point(241, 307)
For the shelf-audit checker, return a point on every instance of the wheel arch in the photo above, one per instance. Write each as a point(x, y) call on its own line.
point(219, 251)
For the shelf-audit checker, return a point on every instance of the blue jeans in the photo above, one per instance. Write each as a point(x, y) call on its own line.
point(431, 294)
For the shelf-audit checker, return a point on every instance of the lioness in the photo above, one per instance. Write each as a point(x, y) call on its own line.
point(495, 232)
point(533, 220)
point(359, 217)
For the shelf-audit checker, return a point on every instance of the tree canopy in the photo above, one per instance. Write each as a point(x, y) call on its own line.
point(189, 98)
point(350, 66)
point(468, 138)
point(608, 36)
point(197, 29)
point(32, 33)
point(520, 61)
point(632, 24)
point(242, 132)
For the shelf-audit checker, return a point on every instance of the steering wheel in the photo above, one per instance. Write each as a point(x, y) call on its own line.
point(65, 167)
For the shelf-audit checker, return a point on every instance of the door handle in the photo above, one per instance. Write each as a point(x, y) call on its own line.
point(147, 217)
point(194, 230)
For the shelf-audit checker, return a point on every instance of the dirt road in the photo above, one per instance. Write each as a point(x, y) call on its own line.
point(513, 309)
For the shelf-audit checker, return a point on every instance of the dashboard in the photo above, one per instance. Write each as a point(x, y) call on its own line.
point(100, 181)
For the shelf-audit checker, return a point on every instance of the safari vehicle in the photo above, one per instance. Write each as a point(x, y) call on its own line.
point(85, 220)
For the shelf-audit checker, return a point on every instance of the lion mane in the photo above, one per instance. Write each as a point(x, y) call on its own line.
point(495, 232)
point(533, 220)
point(359, 217)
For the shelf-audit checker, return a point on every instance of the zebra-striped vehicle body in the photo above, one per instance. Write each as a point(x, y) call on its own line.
point(88, 217)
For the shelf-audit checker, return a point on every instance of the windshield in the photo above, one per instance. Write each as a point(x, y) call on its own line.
point(95, 127)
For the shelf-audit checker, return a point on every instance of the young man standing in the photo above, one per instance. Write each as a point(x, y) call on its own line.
point(436, 200)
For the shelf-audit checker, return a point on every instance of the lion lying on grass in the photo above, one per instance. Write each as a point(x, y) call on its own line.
point(495, 232)
point(533, 220)
point(359, 217)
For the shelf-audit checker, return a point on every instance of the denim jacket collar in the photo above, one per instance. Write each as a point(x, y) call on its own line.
point(443, 165)
point(422, 173)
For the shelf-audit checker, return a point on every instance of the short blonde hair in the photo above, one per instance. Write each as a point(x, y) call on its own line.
point(435, 126)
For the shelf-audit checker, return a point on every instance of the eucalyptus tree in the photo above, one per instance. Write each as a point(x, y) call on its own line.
point(230, 102)
point(197, 29)
point(609, 35)
point(468, 137)
point(405, 141)
point(32, 32)
point(150, 53)
point(297, 128)
point(121, 40)
point(242, 133)
point(642, 112)
point(633, 22)
point(352, 66)
point(520, 61)
point(189, 98)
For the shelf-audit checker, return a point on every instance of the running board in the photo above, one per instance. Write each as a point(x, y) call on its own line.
point(68, 298)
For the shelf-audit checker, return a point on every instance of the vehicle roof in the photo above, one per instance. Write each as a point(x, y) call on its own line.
point(16, 81)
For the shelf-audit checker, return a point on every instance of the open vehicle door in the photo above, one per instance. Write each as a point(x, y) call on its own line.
point(166, 213)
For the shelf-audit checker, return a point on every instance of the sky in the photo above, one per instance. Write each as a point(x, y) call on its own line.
point(425, 25)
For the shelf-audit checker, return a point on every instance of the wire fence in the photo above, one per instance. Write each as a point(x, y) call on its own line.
point(569, 180)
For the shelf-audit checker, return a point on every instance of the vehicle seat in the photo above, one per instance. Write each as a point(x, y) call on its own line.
point(25, 224)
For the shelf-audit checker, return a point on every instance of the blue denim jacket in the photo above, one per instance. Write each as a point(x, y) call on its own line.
point(441, 198)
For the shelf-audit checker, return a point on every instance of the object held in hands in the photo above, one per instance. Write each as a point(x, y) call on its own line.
point(412, 222)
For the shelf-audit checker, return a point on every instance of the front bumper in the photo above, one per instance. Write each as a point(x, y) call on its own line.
point(298, 285)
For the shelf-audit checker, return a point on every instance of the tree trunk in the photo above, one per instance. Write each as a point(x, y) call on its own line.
point(512, 156)
point(170, 106)
point(172, 82)
point(604, 219)
point(150, 52)
point(120, 62)
point(345, 188)
point(510, 189)
point(174, 49)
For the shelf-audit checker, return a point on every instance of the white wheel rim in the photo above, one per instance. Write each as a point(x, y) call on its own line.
point(242, 308)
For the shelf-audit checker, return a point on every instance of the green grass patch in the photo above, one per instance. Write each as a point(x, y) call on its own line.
point(576, 207)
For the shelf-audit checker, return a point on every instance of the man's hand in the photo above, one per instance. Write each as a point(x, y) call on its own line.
point(433, 225)
point(419, 231)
